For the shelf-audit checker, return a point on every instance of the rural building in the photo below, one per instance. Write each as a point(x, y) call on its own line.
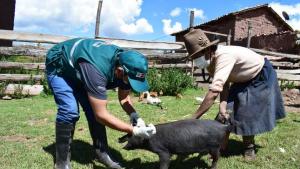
point(267, 29)
point(7, 15)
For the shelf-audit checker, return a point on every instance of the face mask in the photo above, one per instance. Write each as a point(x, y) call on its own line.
point(201, 62)
point(125, 78)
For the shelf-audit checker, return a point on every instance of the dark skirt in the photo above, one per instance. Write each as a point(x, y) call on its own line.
point(257, 104)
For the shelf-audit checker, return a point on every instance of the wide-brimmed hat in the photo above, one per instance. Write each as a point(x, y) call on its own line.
point(196, 41)
point(135, 65)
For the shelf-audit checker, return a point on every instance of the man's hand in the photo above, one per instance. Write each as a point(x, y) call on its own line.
point(144, 131)
point(135, 120)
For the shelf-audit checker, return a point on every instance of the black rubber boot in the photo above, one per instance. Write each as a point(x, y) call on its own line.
point(249, 148)
point(98, 133)
point(64, 136)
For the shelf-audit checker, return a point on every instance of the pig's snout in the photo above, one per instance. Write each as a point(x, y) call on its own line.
point(128, 147)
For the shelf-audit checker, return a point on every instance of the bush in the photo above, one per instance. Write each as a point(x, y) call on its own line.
point(44, 82)
point(285, 84)
point(169, 81)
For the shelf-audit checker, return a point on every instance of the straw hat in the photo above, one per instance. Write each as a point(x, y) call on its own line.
point(195, 41)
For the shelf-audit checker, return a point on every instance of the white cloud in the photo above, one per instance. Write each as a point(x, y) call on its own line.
point(168, 28)
point(198, 13)
point(140, 26)
point(292, 10)
point(118, 17)
point(295, 23)
point(175, 12)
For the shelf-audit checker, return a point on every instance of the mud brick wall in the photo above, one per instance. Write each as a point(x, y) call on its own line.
point(262, 23)
point(283, 42)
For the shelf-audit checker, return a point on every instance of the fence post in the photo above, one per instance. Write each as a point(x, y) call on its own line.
point(191, 19)
point(229, 37)
point(249, 34)
point(192, 15)
point(98, 18)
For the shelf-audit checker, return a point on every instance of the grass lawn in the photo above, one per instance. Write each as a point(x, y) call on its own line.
point(27, 137)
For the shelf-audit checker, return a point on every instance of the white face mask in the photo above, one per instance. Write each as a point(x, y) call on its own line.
point(202, 63)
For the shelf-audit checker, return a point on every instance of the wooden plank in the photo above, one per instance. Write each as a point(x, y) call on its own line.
point(19, 77)
point(265, 52)
point(288, 77)
point(19, 65)
point(41, 66)
point(28, 51)
point(215, 33)
point(168, 56)
point(179, 65)
point(31, 37)
point(145, 44)
point(23, 51)
point(291, 71)
point(286, 64)
point(53, 39)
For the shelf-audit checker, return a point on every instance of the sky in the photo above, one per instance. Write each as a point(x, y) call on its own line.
point(151, 20)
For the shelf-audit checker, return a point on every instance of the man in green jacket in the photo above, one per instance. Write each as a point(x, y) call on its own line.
point(81, 71)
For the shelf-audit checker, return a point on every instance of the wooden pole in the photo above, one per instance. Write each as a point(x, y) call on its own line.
point(229, 37)
point(192, 19)
point(98, 18)
point(249, 34)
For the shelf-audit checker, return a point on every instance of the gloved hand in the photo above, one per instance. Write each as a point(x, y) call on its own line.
point(144, 131)
point(140, 122)
point(135, 120)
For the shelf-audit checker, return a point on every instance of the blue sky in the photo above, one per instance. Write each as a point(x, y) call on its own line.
point(150, 20)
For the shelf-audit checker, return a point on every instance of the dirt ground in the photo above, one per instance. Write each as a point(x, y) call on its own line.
point(291, 100)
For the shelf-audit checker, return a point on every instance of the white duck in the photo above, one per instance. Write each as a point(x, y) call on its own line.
point(152, 100)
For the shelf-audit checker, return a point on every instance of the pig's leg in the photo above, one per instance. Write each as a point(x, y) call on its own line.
point(224, 145)
point(164, 160)
point(215, 153)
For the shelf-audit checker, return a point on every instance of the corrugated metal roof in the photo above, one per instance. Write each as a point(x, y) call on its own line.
point(237, 13)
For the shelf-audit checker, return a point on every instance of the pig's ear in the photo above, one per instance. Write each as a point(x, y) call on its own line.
point(124, 138)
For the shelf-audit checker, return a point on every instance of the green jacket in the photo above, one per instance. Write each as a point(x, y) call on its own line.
point(63, 57)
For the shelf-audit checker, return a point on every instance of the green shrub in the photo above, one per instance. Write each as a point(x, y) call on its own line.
point(169, 81)
point(285, 84)
point(2, 88)
point(47, 90)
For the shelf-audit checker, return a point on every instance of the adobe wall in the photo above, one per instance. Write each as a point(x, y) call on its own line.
point(283, 42)
point(262, 22)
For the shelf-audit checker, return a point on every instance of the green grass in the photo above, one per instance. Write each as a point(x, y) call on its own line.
point(27, 137)
point(23, 59)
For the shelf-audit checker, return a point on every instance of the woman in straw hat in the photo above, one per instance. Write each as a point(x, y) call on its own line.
point(245, 81)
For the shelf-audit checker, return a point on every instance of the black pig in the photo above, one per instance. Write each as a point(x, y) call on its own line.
point(182, 137)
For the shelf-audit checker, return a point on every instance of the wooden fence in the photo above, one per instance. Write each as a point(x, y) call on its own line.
point(160, 55)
